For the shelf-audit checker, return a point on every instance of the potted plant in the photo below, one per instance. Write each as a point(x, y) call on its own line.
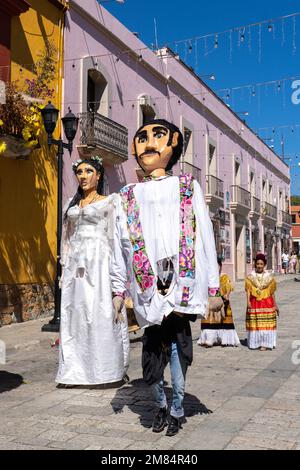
point(20, 124)
point(20, 117)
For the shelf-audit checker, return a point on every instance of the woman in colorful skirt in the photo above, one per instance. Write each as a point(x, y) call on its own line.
point(220, 331)
point(262, 309)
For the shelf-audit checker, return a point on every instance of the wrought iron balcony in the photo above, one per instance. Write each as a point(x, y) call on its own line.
point(255, 208)
point(194, 170)
point(240, 201)
point(269, 210)
point(214, 193)
point(101, 135)
point(286, 218)
point(215, 186)
point(255, 205)
point(240, 196)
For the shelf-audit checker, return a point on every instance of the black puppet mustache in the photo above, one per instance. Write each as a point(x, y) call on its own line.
point(149, 152)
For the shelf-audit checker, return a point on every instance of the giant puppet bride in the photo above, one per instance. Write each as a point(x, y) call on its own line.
point(94, 342)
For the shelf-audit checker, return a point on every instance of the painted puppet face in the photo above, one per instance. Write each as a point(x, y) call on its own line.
point(153, 148)
point(87, 177)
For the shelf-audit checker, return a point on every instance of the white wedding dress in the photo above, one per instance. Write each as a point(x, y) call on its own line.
point(93, 348)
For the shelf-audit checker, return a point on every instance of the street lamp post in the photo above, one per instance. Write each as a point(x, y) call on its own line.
point(70, 124)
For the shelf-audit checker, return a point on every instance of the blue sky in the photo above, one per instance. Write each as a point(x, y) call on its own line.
point(249, 56)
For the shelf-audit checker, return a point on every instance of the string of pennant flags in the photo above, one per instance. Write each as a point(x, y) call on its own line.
point(243, 32)
point(283, 28)
point(277, 85)
point(225, 93)
point(252, 87)
point(253, 90)
point(270, 23)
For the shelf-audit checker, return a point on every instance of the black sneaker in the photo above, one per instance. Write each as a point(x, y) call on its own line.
point(174, 426)
point(160, 420)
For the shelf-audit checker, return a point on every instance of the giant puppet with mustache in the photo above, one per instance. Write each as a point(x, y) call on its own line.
point(165, 255)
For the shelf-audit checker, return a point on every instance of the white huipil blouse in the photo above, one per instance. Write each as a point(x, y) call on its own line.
point(93, 348)
point(159, 206)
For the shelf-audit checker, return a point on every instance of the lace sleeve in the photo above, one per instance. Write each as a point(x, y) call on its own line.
point(118, 269)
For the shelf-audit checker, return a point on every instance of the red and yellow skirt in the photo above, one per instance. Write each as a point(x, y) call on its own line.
point(262, 315)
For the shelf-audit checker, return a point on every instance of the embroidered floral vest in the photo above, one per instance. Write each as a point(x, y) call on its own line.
point(142, 268)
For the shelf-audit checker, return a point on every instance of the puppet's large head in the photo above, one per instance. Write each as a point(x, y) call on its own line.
point(157, 145)
point(89, 173)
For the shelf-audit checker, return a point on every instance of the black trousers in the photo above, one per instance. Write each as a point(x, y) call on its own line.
point(157, 341)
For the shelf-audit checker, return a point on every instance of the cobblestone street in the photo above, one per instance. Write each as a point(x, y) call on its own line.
point(235, 398)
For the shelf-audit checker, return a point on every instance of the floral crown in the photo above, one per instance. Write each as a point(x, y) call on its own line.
point(95, 161)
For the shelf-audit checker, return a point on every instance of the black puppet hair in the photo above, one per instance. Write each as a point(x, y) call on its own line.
point(95, 162)
point(177, 151)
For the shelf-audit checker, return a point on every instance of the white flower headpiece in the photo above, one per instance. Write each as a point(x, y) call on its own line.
point(95, 161)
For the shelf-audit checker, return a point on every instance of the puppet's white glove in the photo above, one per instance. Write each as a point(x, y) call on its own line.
point(118, 304)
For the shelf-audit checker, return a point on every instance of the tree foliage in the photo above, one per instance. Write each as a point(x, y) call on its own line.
point(295, 200)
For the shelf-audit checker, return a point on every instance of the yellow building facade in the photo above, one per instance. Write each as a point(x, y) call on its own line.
point(28, 187)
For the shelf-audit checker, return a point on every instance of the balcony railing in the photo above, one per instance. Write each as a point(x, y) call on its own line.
point(241, 196)
point(215, 186)
point(269, 210)
point(286, 218)
point(255, 206)
point(99, 131)
point(194, 170)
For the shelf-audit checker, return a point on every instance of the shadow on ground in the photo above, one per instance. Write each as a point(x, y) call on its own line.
point(137, 395)
point(9, 381)
point(105, 386)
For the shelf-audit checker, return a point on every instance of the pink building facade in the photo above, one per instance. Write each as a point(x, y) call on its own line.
point(114, 83)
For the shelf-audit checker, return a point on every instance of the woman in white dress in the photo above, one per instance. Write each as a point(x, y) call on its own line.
point(94, 341)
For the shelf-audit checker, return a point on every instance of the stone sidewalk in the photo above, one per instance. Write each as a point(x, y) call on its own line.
point(235, 398)
point(28, 335)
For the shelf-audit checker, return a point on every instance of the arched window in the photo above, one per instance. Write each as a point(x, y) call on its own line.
point(97, 93)
point(96, 87)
